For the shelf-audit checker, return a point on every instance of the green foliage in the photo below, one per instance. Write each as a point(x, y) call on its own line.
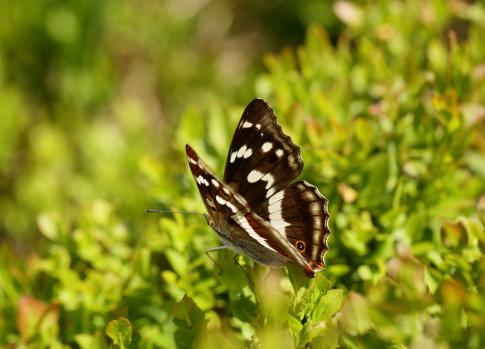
point(389, 117)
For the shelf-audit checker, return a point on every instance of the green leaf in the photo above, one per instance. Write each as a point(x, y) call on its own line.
point(355, 314)
point(177, 261)
point(232, 274)
point(311, 330)
point(293, 323)
point(329, 304)
point(47, 226)
point(297, 276)
point(189, 320)
point(244, 309)
point(120, 332)
point(187, 312)
point(321, 281)
point(328, 338)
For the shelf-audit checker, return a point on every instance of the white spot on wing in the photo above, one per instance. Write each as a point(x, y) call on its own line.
point(244, 224)
point(254, 176)
point(215, 183)
point(233, 157)
point(292, 161)
point(279, 152)
point(201, 180)
point(308, 196)
point(270, 192)
point(220, 200)
point(248, 153)
point(192, 161)
point(268, 178)
point(267, 146)
point(258, 126)
point(241, 151)
point(231, 207)
point(247, 124)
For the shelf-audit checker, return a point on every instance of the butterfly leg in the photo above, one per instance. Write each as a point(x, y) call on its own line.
point(215, 249)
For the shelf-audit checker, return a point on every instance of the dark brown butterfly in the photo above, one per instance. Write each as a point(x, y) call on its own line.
point(257, 209)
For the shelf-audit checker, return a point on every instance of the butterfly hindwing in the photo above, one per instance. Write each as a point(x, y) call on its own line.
point(261, 159)
point(271, 247)
point(300, 213)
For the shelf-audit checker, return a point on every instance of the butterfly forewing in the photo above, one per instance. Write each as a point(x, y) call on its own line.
point(219, 199)
point(261, 159)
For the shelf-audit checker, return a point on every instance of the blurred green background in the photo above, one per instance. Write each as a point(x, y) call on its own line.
point(97, 100)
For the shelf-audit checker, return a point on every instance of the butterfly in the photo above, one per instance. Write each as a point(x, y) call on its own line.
point(257, 209)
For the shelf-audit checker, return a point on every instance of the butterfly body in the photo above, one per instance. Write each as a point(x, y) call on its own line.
point(256, 209)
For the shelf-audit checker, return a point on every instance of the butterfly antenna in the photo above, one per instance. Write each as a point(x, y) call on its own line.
point(169, 211)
